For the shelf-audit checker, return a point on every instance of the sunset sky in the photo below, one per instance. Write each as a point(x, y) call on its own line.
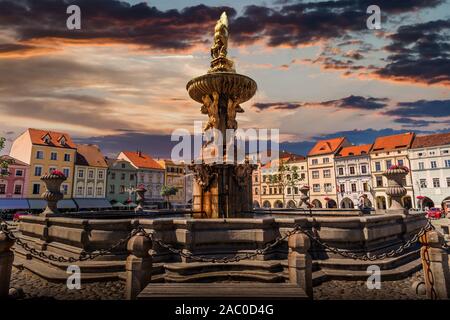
point(120, 81)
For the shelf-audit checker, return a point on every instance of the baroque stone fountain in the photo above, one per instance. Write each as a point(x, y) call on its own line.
point(221, 189)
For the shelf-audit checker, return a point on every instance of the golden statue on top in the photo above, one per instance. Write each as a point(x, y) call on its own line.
point(219, 50)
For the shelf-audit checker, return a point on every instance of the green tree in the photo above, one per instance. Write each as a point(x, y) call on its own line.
point(287, 176)
point(167, 192)
point(3, 163)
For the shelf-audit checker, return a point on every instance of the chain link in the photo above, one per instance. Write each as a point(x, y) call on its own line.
point(429, 277)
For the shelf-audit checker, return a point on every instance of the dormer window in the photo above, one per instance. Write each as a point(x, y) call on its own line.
point(47, 139)
point(62, 140)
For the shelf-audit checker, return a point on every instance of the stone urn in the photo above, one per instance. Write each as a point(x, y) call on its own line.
point(304, 198)
point(396, 189)
point(140, 199)
point(53, 193)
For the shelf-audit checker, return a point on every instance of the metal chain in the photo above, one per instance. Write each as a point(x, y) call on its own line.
point(84, 255)
point(297, 229)
point(429, 277)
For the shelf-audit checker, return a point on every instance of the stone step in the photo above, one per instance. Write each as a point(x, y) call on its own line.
point(222, 290)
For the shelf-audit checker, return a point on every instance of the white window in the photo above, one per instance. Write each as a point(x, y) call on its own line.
point(39, 154)
point(433, 164)
point(448, 182)
point(91, 174)
point(328, 187)
point(342, 187)
point(2, 188)
point(316, 187)
point(363, 169)
point(19, 173)
point(353, 187)
point(326, 160)
point(66, 172)
point(80, 173)
point(37, 171)
point(436, 183)
point(54, 156)
point(101, 173)
point(326, 173)
point(99, 190)
point(67, 157)
point(352, 170)
point(421, 166)
point(18, 189)
point(315, 174)
point(314, 161)
point(447, 163)
point(423, 183)
point(80, 190)
point(90, 190)
point(341, 171)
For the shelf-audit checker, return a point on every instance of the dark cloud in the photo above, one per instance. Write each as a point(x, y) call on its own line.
point(350, 102)
point(420, 53)
point(422, 108)
point(110, 20)
point(141, 24)
point(410, 123)
point(276, 105)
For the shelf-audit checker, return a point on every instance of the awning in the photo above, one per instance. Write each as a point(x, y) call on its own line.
point(93, 203)
point(14, 204)
point(39, 204)
point(118, 205)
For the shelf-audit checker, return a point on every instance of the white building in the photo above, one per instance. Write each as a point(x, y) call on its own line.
point(430, 164)
point(353, 175)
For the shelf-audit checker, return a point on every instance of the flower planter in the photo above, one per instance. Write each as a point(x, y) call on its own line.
point(396, 190)
point(53, 193)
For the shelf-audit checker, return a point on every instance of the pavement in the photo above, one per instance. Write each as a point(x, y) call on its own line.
point(35, 287)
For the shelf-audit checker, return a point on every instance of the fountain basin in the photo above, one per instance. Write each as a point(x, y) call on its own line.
point(220, 238)
point(241, 87)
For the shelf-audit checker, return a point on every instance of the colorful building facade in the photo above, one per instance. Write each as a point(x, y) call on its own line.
point(121, 182)
point(14, 180)
point(45, 151)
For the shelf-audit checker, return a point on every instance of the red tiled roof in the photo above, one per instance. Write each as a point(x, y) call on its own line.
point(90, 155)
point(142, 160)
point(432, 140)
point(354, 150)
point(326, 146)
point(37, 138)
point(394, 142)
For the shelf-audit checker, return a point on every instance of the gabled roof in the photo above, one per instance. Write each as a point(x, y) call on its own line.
point(13, 161)
point(38, 138)
point(90, 155)
point(326, 146)
point(352, 151)
point(142, 160)
point(432, 140)
point(394, 142)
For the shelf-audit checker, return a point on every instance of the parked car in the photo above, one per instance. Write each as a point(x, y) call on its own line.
point(435, 213)
point(19, 214)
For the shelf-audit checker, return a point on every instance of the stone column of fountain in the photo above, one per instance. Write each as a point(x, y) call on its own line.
point(304, 198)
point(221, 189)
point(140, 199)
point(396, 189)
point(53, 193)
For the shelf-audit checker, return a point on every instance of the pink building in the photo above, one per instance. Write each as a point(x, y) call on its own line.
point(14, 182)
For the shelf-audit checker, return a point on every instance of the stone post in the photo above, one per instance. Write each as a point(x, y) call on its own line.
point(140, 199)
point(138, 265)
point(435, 262)
point(53, 193)
point(6, 261)
point(396, 189)
point(300, 263)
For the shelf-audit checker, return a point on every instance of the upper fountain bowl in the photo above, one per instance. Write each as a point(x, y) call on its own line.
point(235, 85)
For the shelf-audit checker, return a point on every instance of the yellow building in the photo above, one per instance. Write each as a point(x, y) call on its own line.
point(45, 151)
point(174, 176)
